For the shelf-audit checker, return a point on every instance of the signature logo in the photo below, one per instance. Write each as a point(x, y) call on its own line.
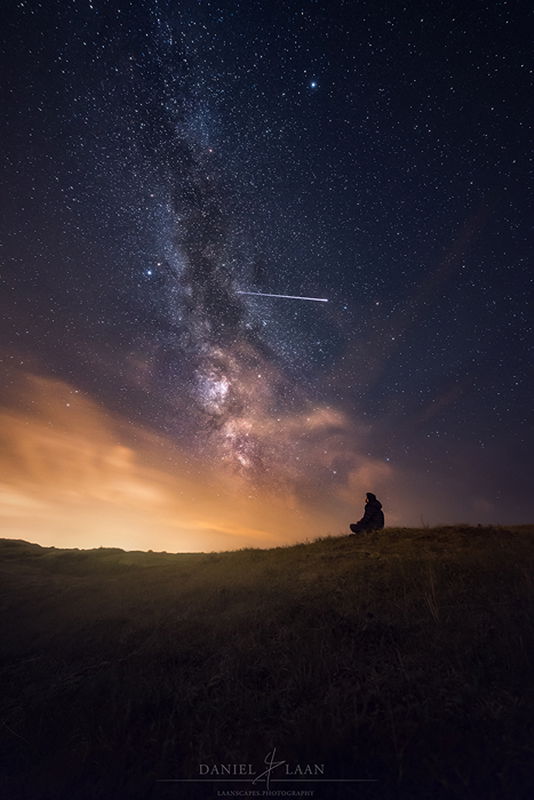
point(275, 770)
point(271, 765)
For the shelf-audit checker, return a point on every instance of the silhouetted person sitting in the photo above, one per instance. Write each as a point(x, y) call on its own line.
point(373, 518)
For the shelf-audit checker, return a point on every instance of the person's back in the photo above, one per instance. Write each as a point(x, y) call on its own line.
point(373, 518)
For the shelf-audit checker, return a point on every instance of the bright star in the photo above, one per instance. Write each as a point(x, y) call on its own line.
point(313, 84)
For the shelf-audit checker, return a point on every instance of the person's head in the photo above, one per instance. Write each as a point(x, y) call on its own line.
point(370, 497)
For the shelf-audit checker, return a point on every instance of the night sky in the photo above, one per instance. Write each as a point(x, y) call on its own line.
point(159, 158)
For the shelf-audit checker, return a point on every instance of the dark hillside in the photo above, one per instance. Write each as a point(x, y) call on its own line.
point(403, 656)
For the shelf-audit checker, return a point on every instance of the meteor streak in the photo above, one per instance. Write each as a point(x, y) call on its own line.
point(288, 296)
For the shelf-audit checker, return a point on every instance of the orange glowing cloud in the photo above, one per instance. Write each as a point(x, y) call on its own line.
point(72, 477)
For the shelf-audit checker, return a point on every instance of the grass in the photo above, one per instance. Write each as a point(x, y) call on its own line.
point(403, 656)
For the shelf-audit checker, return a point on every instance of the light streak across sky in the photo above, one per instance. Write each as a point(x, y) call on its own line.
point(288, 296)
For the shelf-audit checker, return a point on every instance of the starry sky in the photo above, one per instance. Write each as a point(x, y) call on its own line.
point(161, 157)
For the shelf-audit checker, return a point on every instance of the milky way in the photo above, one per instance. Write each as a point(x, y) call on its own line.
point(167, 161)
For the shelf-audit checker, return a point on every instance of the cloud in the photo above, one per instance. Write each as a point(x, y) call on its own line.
point(74, 475)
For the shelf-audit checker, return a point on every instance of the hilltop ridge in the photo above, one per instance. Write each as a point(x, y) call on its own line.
point(402, 655)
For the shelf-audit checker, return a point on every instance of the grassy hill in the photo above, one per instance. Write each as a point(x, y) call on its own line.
point(403, 656)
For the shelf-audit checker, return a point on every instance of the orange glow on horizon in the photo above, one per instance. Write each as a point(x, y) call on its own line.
point(70, 479)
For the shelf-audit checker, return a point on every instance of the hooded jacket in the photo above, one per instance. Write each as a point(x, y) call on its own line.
point(373, 518)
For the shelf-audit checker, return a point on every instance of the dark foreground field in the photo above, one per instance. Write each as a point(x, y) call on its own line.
point(403, 656)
